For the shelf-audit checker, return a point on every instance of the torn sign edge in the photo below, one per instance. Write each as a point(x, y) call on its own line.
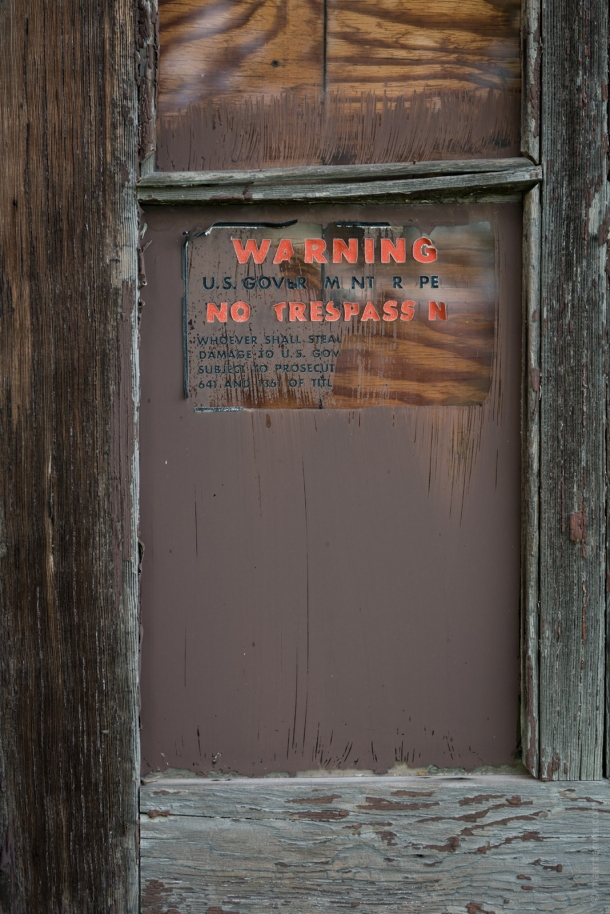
point(187, 236)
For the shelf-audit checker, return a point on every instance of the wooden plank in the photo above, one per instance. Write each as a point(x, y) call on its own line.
point(442, 45)
point(457, 845)
point(573, 379)
point(254, 83)
point(328, 128)
point(314, 174)
point(147, 62)
point(212, 50)
point(248, 47)
point(251, 192)
point(530, 507)
point(68, 550)
point(530, 63)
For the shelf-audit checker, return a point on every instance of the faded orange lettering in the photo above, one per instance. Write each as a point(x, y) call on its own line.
point(297, 311)
point(315, 310)
point(398, 251)
point(390, 311)
point(407, 310)
point(437, 310)
point(370, 312)
point(349, 309)
point(216, 313)
point(314, 250)
point(240, 311)
point(251, 250)
point(284, 251)
point(423, 250)
point(349, 251)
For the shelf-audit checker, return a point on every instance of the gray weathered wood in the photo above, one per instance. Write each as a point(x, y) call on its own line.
point(530, 508)
point(427, 845)
point(313, 174)
point(530, 79)
point(68, 487)
point(147, 61)
point(251, 191)
point(573, 383)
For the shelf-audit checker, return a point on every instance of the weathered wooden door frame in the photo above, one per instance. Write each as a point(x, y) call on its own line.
point(78, 129)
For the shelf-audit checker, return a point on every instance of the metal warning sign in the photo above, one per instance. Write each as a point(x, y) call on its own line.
point(342, 315)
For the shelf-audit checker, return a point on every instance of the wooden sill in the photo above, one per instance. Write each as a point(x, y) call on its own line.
point(450, 844)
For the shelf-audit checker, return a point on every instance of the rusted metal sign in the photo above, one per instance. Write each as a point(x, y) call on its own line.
point(342, 315)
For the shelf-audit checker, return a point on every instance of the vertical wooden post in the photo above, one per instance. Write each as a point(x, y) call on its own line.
point(531, 53)
point(530, 472)
point(573, 384)
point(68, 486)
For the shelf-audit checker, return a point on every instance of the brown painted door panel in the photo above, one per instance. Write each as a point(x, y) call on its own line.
point(332, 588)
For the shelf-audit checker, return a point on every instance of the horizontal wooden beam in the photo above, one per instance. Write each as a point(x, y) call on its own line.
point(422, 844)
point(354, 181)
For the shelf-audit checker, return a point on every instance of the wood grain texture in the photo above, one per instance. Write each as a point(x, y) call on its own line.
point(256, 83)
point(530, 475)
point(393, 47)
point(426, 845)
point(147, 62)
point(68, 494)
point(332, 128)
point(213, 49)
point(531, 56)
point(573, 385)
point(324, 174)
point(161, 190)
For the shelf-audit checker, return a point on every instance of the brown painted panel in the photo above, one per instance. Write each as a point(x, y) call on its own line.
point(328, 588)
point(411, 318)
point(257, 84)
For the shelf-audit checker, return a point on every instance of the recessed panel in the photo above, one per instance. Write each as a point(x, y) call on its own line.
point(333, 588)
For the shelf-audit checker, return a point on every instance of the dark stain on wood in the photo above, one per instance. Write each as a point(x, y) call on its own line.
point(380, 804)
point(155, 897)
point(331, 129)
point(412, 793)
point(388, 837)
point(578, 526)
point(309, 800)
point(480, 798)
point(450, 847)
point(322, 815)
